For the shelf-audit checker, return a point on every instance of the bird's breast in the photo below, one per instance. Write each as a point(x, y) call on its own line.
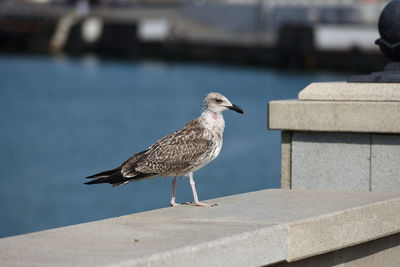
point(216, 149)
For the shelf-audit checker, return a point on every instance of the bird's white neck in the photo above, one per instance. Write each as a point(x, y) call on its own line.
point(213, 120)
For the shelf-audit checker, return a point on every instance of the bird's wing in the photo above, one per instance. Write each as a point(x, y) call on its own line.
point(173, 153)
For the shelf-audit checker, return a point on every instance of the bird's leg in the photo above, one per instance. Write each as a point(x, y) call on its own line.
point(196, 200)
point(172, 202)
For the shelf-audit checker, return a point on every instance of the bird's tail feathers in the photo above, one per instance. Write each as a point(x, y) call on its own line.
point(105, 174)
point(115, 177)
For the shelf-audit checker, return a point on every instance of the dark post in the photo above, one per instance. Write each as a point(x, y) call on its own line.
point(389, 43)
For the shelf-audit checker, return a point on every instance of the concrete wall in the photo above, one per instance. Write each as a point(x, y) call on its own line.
point(344, 161)
point(381, 252)
point(252, 229)
point(340, 136)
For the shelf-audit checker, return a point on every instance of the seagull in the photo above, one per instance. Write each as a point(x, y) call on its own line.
point(178, 154)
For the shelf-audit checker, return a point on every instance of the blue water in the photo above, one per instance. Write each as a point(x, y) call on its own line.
point(63, 119)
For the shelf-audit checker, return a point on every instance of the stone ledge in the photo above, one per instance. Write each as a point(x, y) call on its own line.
point(343, 91)
point(341, 229)
point(257, 228)
point(334, 116)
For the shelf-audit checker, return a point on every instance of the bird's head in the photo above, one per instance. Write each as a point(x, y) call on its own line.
point(217, 103)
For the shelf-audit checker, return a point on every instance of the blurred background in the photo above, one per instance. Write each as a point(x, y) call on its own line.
point(86, 84)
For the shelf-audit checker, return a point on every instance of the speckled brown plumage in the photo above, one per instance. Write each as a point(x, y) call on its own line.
point(179, 153)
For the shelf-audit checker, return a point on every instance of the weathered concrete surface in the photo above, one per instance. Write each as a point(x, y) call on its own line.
point(341, 161)
point(286, 157)
point(385, 159)
point(327, 233)
point(343, 91)
point(334, 116)
point(330, 161)
point(257, 228)
point(380, 252)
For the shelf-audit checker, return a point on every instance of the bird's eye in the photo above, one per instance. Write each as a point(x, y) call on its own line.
point(218, 100)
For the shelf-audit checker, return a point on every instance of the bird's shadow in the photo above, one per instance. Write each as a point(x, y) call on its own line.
point(192, 204)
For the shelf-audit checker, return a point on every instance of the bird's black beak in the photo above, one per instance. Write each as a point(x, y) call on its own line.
point(236, 108)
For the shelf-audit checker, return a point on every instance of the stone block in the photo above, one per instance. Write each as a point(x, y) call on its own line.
point(343, 91)
point(384, 251)
point(385, 163)
point(331, 161)
point(327, 233)
point(334, 116)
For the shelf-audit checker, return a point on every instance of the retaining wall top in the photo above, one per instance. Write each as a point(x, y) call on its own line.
point(256, 228)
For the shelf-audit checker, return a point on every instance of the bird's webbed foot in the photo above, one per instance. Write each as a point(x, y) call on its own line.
point(174, 204)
